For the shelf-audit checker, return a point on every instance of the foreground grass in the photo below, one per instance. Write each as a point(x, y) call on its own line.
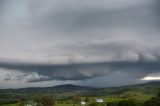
point(66, 105)
point(134, 95)
point(54, 105)
point(11, 105)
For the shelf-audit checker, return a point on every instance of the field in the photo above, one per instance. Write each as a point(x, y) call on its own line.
point(106, 100)
point(63, 95)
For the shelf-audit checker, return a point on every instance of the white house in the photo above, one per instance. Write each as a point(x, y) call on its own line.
point(99, 100)
point(82, 103)
point(30, 103)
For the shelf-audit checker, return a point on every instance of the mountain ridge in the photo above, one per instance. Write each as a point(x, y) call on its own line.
point(73, 86)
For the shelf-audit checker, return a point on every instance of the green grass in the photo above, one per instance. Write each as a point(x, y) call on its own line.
point(138, 96)
point(10, 105)
point(54, 105)
point(66, 105)
point(108, 99)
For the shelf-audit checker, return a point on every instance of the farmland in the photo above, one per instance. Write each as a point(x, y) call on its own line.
point(64, 94)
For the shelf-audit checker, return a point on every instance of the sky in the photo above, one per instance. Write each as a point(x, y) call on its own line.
point(97, 43)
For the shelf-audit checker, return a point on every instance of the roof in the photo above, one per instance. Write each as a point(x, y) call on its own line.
point(31, 103)
point(99, 100)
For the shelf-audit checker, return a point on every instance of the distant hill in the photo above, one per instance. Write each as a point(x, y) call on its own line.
point(149, 88)
point(71, 87)
point(54, 89)
point(152, 83)
point(139, 91)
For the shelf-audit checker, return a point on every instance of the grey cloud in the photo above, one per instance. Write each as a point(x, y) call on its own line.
point(97, 59)
point(118, 78)
point(79, 40)
point(60, 72)
point(99, 51)
point(85, 71)
point(83, 20)
point(71, 19)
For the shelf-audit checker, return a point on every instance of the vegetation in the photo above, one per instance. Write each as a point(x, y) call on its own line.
point(155, 101)
point(137, 95)
point(44, 101)
point(22, 101)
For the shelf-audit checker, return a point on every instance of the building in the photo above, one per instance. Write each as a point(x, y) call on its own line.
point(83, 103)
point(99, 100)
point(30, 103)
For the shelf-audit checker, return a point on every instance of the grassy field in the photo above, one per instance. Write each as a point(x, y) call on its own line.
point(11, 105)
point(138, 96)
point(106, 99)
point(54, 105)
point(63, 97)
point(66, 105)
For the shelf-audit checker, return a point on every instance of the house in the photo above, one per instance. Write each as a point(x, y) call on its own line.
point(30, 103)
point(82, 103)
point(99, 100)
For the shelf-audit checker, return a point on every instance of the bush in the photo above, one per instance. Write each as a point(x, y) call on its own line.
point(44, 101)
point(124, 103)
point(128, 103)
point(153, 102)
point(96, 104)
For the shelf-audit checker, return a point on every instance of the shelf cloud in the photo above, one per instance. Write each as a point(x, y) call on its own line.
point(95, 43)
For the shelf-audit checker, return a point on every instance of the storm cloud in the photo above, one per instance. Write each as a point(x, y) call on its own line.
point(95, 43)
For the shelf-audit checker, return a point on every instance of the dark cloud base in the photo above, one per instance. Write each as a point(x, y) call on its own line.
point(95, 37)
point(84, 71)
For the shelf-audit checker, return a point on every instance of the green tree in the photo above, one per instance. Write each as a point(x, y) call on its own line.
point(22, 101)
point(128, 103)
point(44, 101)
point(97, 104)
point(87, 99)
point(158, 93)
point(76, 99)
point(155, 101)
point(93, 104)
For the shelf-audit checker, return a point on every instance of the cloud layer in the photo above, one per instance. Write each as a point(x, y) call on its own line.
point(96, 43)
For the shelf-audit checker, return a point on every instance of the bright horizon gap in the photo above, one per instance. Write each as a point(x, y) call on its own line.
point(151, 78)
